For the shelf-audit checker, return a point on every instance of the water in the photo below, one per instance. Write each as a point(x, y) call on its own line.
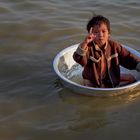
point(33, 103)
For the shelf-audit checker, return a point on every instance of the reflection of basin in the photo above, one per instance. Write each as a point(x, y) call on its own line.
point(70, 74)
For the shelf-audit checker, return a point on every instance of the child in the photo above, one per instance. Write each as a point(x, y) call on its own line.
point(102, 57)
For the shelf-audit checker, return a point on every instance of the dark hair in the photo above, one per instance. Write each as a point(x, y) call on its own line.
point(98, 20)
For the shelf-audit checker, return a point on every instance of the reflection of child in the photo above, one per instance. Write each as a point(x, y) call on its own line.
point(102, 57)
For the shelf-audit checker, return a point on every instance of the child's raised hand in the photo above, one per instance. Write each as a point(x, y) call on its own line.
point(89, 38)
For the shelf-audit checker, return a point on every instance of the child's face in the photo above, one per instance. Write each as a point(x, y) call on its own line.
point(102, 34)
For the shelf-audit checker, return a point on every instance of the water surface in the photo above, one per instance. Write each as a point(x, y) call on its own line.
point(34, 105)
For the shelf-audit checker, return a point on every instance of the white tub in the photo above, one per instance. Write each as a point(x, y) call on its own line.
point(70, 74)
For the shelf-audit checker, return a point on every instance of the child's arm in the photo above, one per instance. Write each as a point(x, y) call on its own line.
point(128, 60)
point(81, 56)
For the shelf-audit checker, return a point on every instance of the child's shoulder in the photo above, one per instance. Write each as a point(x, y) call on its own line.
point(114, 43)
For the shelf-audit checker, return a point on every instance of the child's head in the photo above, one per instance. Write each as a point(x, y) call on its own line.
point(98, 20)
point(100, 27)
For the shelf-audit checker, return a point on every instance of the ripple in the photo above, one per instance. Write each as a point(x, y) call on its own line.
point(32, 98)
point(4, 10)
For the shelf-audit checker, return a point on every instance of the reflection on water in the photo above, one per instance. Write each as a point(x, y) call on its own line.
point(133, 96)
point(103, 102)
point(33, 103)
point(95, 113)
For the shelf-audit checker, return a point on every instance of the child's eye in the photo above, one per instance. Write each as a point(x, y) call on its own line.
point(104, 31)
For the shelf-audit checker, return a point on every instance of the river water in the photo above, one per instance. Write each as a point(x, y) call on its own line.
point(34, 105)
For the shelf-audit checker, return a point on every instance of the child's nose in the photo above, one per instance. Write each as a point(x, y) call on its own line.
point(100, 33)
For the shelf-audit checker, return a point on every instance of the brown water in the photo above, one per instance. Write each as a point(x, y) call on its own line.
point(33, 103)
